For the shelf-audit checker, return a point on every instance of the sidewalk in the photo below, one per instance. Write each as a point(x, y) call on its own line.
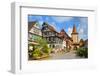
point(68, 55)
point(63, 55)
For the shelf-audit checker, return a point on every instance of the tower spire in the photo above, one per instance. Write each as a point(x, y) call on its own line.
point(74, 29)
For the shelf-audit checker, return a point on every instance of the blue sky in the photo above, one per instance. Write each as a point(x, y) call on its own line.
point(64, 22)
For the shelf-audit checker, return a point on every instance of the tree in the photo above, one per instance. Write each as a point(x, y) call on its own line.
point(81, 43)
point(42, 48)
point(44, 45)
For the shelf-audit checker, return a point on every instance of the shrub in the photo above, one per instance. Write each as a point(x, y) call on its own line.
point(82, 52)
point(46, 49)
point(41, 49)
point(37, 53)
point(42, 43)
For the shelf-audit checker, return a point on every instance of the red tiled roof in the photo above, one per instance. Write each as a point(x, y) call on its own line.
point(64, 35)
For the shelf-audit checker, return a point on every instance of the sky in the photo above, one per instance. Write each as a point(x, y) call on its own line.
point(64, 22)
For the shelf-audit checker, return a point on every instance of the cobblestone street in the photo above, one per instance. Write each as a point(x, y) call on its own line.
point(63, 55)
point(69, 55)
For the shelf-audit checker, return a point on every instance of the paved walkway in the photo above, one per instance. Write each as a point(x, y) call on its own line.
point(68, 55)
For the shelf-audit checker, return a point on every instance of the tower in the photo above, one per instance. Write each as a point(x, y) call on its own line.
point(74, 35)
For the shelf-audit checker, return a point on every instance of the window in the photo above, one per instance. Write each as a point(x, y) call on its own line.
point(49, 38)
point(36, 31)
point(53, 33)
point(45, 33)
point(53, 46)
point(56, 34)
point(50, 33)
point(50, 46)
point(45, 28)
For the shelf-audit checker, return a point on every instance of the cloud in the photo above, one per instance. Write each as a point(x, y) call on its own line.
point(81, 31)
point(35, 18)
point(83, 37)
point(53, 24)
point(40, 22)
point(84, 20)
point(69, 31)
point(62, 19)
point(47, 18)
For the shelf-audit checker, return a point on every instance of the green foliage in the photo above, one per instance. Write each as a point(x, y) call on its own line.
point(82, 52)
point(37, 52)
point(43, 45)
point(46, 49)
point(42, 48)
point(41, 41)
